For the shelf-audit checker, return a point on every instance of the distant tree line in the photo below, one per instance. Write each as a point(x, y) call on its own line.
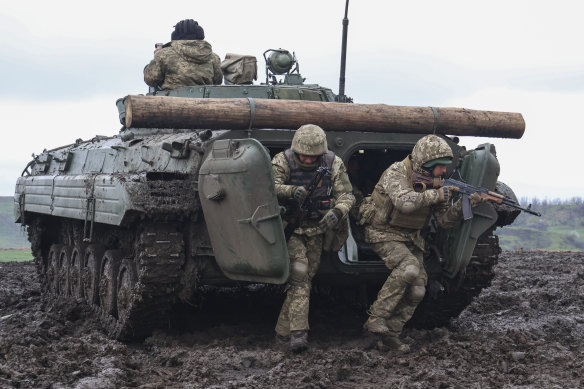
point(561, 226)
point(547, 202)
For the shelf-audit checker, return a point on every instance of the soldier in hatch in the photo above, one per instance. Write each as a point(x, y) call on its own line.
point(186, 60)
point(394, 216)
point(327, 206)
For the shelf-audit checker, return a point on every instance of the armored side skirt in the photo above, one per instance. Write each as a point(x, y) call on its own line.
point(102, 198)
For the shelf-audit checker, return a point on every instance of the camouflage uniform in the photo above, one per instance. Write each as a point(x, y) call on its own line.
point(183, 63)
point(394, 216)
point(306, 243)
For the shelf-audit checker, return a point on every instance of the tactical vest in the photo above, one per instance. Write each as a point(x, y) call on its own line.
point(389, 214)
point(319, 200)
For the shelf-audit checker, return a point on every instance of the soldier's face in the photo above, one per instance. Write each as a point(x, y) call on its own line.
point(308, 159)
point(439, 170)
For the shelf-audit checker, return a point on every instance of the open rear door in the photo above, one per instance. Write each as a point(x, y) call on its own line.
point(241, 210)
point(479, 168)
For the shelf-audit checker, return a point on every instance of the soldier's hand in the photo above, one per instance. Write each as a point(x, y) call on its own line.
point(300, 194)
point(476, 199)
point(329, 220)
point(445, 193)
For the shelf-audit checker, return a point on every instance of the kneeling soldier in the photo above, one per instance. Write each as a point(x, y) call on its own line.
point(394, 216)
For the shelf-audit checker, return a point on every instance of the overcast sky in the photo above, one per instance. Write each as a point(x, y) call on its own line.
point(64, 63)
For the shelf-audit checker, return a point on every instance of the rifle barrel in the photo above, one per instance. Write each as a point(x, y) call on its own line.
point(497, 197)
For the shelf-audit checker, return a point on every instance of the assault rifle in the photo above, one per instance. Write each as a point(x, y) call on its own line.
point(422, 182)
point(300, 211)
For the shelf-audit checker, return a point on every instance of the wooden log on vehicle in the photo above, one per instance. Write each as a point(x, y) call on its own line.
point(241, 113)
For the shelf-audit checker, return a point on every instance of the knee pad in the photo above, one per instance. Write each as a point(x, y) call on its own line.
point(417, 293)
point(298, 272)
point(411, 273)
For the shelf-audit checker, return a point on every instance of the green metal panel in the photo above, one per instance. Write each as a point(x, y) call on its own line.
point(241, 210)
point(95, 163)
point(478, 168)
point(299, 94)
point(111, 199)
point(280, 91)
point(70, 195)
point(38, 193)
point(241, 91)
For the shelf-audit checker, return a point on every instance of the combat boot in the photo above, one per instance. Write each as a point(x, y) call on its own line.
point(393, 343)
point(299, 340)
point(376, 325)
point(281, 339)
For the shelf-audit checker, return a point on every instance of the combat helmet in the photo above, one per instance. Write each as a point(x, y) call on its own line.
point(429, 151)
point(309, 139)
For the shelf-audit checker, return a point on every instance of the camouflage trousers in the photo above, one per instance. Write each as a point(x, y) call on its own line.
point(305, 254)
point(404, 288)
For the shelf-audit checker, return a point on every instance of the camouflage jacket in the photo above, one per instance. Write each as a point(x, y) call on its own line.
point(184, 63)
point(342, 196)
point(394, 195)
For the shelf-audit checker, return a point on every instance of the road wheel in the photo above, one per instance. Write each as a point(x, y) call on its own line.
point(52, 269)
point(108, 281)
point(63, 270)
point(127, 279)
point(90, 272)
point(75, 270)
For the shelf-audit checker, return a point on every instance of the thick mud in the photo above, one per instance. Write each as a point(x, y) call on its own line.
point(525, 331)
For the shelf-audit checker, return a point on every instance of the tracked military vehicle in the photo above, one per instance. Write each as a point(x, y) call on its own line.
point(183, 197)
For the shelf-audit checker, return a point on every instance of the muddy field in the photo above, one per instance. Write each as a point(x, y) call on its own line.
point(526, 331)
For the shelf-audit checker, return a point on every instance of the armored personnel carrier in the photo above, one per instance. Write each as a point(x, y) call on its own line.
point(183, 197)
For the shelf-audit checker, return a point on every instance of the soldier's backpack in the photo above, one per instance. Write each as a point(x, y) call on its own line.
point(239, 69)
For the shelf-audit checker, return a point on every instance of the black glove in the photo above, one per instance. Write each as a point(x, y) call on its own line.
point(329, 220)
point(445, 193)
point(300, 194)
